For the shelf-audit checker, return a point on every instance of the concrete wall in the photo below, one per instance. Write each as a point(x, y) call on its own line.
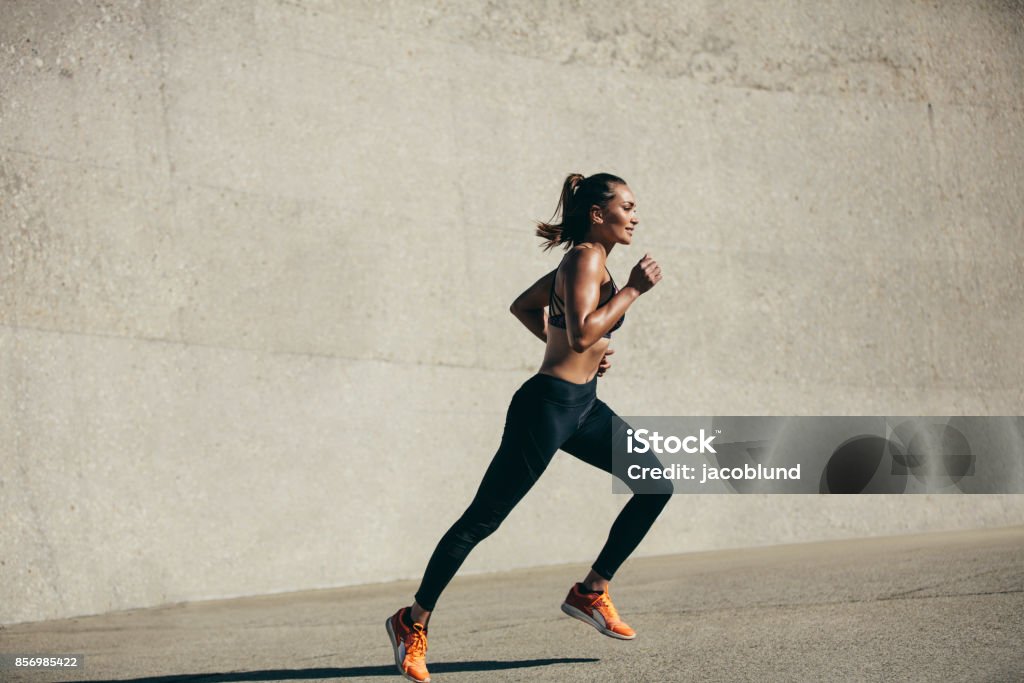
point(257, 259)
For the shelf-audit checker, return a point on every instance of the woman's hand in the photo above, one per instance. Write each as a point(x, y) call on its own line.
point(605, 364)
point(529, 306)
point(645, 274)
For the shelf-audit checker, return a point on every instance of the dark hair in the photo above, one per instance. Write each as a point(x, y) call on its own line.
point(579, 194)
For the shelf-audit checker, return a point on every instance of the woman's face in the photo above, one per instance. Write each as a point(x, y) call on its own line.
point(618, 217)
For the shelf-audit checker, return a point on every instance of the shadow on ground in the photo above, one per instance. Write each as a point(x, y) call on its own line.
point(347, 672)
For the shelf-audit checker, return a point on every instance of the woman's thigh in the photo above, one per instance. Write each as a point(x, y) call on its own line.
point(534, 430)
point(594, 443)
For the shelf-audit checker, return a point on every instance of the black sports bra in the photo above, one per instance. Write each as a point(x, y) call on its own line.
point(556, 307)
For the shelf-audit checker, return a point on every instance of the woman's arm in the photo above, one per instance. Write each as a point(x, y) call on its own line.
point(529, 306)
point(584, 271)
point(585, 323)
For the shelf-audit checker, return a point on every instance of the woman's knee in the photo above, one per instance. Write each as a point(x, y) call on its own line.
point(661, 488)
point(480, 521)
point(655, 496)
point(651, 488)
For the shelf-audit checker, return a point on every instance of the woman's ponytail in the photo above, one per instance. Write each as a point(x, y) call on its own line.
point(579, 193)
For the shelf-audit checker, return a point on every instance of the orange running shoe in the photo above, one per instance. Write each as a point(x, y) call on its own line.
point(410, 646)
point(597, 610)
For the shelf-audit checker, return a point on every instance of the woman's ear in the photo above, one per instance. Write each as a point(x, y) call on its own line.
point(595, 214)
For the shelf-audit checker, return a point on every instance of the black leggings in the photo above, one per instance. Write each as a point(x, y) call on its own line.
point(546, 414)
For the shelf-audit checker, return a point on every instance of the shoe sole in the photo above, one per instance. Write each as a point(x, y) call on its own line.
point(587, 619)
point(398, 661)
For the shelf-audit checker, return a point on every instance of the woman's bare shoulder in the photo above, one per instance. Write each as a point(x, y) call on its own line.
point(585, 260)
point(586, 257)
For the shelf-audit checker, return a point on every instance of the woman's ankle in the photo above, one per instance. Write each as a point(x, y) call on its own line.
point(595, 583)
point(418, 614)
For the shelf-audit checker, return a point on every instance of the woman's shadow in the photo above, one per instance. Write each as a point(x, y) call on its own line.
point(345, 672)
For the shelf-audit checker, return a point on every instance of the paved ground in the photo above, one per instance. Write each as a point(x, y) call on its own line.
point(935, 607)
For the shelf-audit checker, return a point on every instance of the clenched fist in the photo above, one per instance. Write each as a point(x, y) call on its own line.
point(645, 274)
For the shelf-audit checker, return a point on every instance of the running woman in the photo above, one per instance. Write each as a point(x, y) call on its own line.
point(555, 409)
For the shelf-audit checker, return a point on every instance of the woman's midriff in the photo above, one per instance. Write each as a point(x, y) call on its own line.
point(562, 362)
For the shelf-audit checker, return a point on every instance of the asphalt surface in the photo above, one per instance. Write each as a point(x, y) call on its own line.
point(933, 607)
